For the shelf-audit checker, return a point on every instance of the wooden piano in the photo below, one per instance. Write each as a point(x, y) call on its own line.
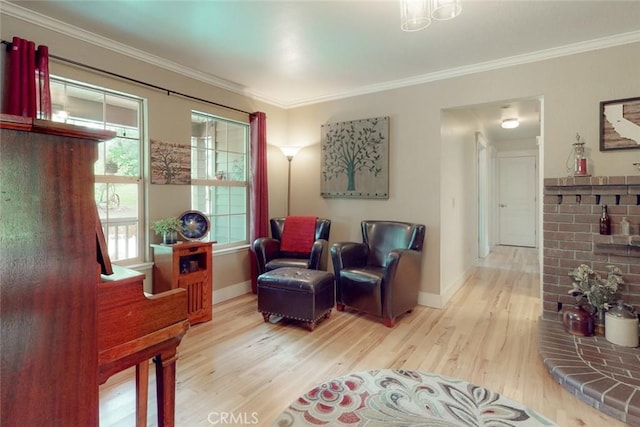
point(61, 333)
point(133, 328)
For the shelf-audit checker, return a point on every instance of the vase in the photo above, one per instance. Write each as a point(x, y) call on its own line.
point(621, 325)
point(170, 237)
point(599, 322)
point(577, 320)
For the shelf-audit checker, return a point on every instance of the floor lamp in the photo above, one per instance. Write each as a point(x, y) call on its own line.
point(289, 151)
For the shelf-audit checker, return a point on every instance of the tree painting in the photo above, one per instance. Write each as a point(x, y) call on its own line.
point(355, 158)
point(170, 163)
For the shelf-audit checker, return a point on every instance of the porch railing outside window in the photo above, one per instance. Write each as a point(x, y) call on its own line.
point(219, 176)
point(118, 180)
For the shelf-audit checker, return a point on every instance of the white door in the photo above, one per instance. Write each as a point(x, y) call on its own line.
point(517, 200)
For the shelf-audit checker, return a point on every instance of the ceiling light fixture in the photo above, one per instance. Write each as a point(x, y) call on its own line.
point(445, 9)
point(510, 123)
point(416, 15)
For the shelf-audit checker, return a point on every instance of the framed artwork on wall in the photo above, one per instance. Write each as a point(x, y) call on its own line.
point(355, 159)
point(620, 124)
point(170, 163)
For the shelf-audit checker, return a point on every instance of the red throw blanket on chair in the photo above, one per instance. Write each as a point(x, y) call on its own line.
point(298, 234)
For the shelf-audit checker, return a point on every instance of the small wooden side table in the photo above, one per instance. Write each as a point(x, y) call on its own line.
point(187, 265)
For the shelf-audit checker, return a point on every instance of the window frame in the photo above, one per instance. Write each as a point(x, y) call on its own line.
point(209, 183)
point(101, 177)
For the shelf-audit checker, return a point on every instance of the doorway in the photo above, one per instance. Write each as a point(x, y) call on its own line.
point(514, 155)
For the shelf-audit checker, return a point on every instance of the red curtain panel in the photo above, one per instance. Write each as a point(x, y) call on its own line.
point(27, 93)
point(11, 104)
point(259, 197)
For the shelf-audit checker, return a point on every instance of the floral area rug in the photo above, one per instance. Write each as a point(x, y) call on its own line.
point(405, 398)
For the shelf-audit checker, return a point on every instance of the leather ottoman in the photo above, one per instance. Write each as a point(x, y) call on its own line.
point(296, 293)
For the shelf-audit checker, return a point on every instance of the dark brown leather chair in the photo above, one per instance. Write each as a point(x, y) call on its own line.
point(380, 276)
point(270, 257)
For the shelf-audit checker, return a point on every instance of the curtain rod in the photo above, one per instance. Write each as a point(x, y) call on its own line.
point(140, 82)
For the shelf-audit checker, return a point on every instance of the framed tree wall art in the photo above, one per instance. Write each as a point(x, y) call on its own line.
point(355, 159)
point(170, 163)
point(620, 124)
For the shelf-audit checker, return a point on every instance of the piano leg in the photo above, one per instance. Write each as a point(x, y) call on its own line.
point(166, 387)
point(142, 393)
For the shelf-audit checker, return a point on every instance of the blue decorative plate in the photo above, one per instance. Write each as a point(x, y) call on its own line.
point(195, 225)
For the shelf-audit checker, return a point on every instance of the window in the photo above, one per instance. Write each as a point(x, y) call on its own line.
point(118, 180)
point(219, 183)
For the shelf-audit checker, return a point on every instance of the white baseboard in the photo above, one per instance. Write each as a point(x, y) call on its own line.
point(430, 300)
point(450, 291)
point(440, 301)
point(228, 292)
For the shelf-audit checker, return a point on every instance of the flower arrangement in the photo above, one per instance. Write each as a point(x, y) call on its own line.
point(167, 225)
point(599, 292)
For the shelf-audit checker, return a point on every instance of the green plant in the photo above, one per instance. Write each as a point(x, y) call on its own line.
point(167, 225)
point(599, 292)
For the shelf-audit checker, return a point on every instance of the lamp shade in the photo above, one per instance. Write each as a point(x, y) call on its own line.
point(415, 15)
point(289, 150)
point(510, 123)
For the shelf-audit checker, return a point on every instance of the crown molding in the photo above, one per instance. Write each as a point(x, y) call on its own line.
point(542, 55)
point(120, 48)
point(114, 46)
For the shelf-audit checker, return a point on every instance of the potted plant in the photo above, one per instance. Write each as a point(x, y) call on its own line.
point(599, 292)
point(169, 228)
point(110, 167)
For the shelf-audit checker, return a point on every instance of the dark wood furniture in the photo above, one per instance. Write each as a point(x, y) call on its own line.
point(133, 328)
point(187, 265)
point(64, 329)
point(48, 274)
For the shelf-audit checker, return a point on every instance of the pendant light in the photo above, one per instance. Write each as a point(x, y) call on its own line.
point(442, 10)
point(416, 15)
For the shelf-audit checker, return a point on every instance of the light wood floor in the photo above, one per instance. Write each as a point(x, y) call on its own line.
point(250, 370)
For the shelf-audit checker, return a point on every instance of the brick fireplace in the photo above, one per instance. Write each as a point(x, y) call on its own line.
point(601, 374)
point(572, 208)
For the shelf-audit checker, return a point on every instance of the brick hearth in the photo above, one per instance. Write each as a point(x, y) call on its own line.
point(601, 374)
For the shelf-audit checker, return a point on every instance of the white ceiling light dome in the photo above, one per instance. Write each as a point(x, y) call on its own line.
point(510, 123)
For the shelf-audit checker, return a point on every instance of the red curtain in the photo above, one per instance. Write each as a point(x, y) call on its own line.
point(27, 91)
point(259, 198)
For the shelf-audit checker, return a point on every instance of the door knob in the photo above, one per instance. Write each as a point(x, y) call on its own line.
point(503, 206)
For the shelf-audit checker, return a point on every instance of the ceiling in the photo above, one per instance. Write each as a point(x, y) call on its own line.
point(293, 53)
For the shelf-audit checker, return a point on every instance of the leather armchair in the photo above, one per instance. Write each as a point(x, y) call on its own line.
point(381, 275)
point(270, 257)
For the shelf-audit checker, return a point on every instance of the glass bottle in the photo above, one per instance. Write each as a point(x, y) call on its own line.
point(625, 226)
point(577, 320)
point(605, 221)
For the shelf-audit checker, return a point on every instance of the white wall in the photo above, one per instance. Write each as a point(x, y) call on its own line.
point(414, 155)
point(458, 201)
point(516, 144)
